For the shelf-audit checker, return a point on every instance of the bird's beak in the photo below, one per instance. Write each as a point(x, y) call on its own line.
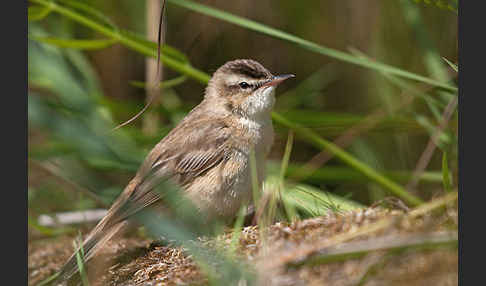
point(276, 80)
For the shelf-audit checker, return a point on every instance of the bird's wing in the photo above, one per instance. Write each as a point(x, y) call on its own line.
point(185, 153)
point(190, 149)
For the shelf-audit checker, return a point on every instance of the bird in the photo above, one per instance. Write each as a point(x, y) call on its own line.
point(207, 154)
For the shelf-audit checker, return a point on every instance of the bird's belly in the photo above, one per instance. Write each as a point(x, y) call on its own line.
point(241, 189)
point(222, 190)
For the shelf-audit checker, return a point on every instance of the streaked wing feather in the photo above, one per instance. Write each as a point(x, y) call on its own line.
point(188, 158)
point(199, 161)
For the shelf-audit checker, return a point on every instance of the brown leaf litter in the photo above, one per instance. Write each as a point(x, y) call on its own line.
point(284, 255)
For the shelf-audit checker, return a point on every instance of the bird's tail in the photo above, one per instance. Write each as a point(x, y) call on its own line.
point(93, 242)
point(126, 205)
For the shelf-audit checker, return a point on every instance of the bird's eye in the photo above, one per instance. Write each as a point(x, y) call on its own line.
point(244, 85)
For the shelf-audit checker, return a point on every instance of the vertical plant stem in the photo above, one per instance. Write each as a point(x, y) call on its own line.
point(235, 237)
point(289, 209)
point(286, 157)
point(446, 176)
point(432, 144)
point(80, 260)
point(152, 75)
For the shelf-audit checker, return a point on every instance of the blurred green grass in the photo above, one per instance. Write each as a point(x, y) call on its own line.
point(86, 75)
point(78, 90)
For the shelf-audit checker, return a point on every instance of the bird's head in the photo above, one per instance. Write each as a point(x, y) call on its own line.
point(245, 87)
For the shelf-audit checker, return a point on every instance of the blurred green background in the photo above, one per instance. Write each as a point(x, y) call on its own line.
point(86, 57)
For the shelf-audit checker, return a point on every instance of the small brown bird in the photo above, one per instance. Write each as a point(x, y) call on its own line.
point(207, 154)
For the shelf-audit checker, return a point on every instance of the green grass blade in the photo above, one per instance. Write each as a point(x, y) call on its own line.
point(235, 238)
point(431, 102)
point(347, 158)
point(431, 58)
point(342, 56)
point(335, 174)
point(334, 124)
point(445, 5)
point(290, 209)
point(80, 261)
point(453, 66)
point(48, 280)
point(307, 89)
point(130, 42)
point(88, 10)
point(312, 201)
point(254, 179)
point(76, 44)
point(163, 85)
point(445, 173)
point(286, 157)
point(168, 50)
point(36, 13)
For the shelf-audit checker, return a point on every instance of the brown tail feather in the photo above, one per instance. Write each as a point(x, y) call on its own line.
point(95, 240)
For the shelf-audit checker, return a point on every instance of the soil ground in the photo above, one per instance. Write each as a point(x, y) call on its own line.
point(288, 255)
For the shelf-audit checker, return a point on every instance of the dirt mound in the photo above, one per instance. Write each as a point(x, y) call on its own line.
point(366, 247)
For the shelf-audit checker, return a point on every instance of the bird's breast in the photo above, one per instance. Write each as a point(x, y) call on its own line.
point(222, 190)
